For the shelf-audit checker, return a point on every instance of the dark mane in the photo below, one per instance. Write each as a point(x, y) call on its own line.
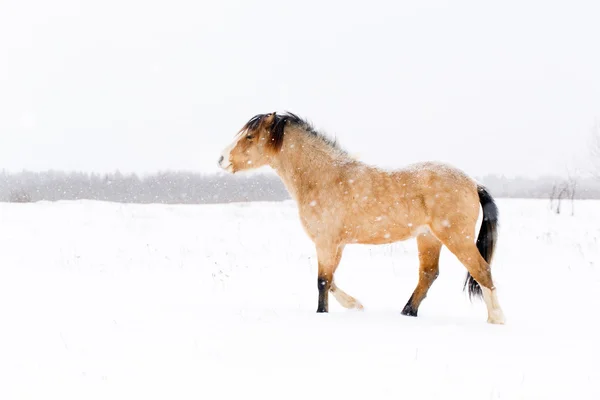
point(253, 123)
point(280, 122)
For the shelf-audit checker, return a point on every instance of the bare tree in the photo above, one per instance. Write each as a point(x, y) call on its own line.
point(571, 185)
point(566, 189)
point(563, 190)
point(553, 196)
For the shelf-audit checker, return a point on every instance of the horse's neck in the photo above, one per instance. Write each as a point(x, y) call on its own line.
point(305, 162)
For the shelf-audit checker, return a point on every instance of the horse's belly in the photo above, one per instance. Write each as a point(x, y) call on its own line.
point(379, 232)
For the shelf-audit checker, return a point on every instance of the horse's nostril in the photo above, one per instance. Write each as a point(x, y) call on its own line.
point(220, 159)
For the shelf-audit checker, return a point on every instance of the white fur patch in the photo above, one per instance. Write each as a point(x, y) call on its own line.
point(421, 230)
point(345, 299)
point(495, 314)
point(226, 154)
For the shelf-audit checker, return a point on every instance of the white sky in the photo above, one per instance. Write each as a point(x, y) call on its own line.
point(508, 87)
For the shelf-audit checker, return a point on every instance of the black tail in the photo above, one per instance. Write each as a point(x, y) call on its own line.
point(488, 235)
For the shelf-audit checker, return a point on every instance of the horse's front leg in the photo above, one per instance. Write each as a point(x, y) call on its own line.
point(329, 257)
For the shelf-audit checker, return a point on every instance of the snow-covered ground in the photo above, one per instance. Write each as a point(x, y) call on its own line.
point(114, 301)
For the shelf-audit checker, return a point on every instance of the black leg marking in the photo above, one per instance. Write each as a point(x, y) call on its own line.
point(408, 309)
point(323, 295)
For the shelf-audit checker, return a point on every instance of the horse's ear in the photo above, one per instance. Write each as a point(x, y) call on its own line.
point(269, 120)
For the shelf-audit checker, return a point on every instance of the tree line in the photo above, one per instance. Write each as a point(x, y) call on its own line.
point(180, 187)
point(162, 187)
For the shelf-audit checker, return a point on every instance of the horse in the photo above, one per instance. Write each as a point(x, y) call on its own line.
point(343, 201)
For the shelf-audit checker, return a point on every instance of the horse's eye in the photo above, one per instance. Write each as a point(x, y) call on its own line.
point(249, 137)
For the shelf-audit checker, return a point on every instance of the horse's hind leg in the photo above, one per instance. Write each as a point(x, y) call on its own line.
point(468, 254)
point(429, 255)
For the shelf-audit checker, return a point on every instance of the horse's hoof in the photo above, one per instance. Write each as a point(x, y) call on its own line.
point(409, 311)
point(496, 319)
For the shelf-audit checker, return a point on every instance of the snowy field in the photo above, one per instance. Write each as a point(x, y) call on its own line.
point(115, 301)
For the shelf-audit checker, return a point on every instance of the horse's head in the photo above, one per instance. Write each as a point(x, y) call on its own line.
point(252, 146)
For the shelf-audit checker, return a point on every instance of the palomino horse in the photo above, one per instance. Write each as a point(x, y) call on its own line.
point(343, 201)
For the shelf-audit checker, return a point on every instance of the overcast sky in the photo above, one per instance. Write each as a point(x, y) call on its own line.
point(508, 87)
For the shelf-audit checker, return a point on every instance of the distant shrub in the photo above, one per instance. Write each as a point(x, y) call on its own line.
point(19, 197)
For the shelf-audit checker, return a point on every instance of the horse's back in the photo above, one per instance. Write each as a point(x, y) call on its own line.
point(444, 189)
point(439, 169)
